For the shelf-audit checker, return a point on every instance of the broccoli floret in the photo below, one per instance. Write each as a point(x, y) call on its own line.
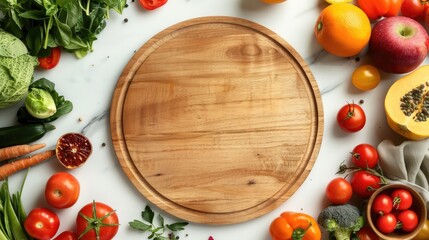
point(341, 220)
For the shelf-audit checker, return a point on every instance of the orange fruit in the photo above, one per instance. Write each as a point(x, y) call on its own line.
point(343, 29)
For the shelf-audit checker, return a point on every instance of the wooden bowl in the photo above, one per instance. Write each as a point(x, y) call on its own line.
point(419, 206)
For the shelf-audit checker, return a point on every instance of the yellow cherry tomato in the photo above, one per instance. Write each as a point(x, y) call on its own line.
point(366, 77)
point(273, 1)
point(337, 1)
point(424, 232)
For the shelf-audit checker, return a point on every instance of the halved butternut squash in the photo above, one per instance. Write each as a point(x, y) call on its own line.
point(407, 105)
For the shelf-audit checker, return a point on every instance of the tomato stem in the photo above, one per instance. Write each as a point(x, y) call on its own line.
point(95, 223)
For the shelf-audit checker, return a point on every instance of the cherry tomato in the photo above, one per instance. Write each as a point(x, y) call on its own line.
point(413, 9)
point(408, 220)
point(365, 156)
point(152, 4)
point(366, 233)
point(42, 223)
point(97, 215)
point(52, 60)
point(382, 204)
point(402, 199)
point(364, 183)
point(339, 191)
point(366, 77)
point(386, 223)
point(66, 235)
point(424, 232)
point(62, 190)
point(351, 118)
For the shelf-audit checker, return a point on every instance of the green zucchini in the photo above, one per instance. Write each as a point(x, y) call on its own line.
point(23, 134)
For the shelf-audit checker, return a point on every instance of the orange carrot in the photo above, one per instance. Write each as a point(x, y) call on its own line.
point(15, 166)
point(18, 150)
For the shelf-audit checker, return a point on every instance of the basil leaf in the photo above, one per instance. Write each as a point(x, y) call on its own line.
point(34, 40)
point(33, 14)
point(139, 225)
point(148, 214)
point(177, 226)
point(63, 33)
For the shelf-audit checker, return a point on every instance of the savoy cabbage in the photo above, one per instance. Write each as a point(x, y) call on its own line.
point(16, 69)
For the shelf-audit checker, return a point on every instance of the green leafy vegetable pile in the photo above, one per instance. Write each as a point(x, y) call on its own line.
point(16, 69)
point(70, 24)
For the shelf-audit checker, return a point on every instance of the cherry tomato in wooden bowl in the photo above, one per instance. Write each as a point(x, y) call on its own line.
point(397, 224)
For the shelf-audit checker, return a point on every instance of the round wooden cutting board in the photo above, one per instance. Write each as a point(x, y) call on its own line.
point(216, 120)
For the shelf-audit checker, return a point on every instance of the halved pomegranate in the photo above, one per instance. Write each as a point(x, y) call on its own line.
point(73, 149)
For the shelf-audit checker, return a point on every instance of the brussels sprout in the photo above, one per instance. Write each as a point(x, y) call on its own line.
point(40, 104)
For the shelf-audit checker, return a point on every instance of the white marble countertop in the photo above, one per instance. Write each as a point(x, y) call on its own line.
point(89, 84)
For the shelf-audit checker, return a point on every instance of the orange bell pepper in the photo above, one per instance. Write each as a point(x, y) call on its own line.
point(295, 226)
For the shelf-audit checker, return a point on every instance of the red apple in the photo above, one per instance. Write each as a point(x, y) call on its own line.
point(398, 44)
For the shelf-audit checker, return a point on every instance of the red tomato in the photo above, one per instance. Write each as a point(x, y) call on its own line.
point(366, 233)
point(351, 118)
point(152, 4)
point(413, 9)
point(66, 235)
point(97, 215)
point(426, 18)
point(382, 204)
point(408, 220)
point(374, 9)
point(339, 191)
point(364, 183)
point(52, 60)
point(395, 8)
point(386, 223)
point(62, 190)
point(380, 8)
point(365, 156)
point(402, 199)
point(41, 223)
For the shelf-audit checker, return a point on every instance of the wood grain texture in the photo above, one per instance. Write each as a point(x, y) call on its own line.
point(216, 120)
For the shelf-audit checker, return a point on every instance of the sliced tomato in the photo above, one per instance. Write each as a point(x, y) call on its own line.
point(152, 4)
point(52, 60)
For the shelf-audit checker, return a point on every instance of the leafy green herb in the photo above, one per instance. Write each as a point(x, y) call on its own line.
point(45, 24)
point(62, 106)
point(156, 233)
